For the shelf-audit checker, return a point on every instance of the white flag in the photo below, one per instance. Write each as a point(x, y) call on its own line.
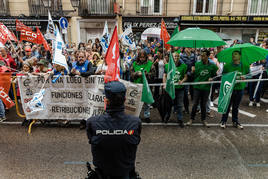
point(58, 46)
point(126, 40)
point(51, 30)
point(105, 38)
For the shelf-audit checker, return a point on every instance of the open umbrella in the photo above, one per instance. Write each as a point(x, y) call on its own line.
point(249, 53)
point(151, 32)
point(196, 38)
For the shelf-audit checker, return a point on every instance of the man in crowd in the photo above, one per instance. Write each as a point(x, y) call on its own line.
point(9, 61)
point(204, 70)
point(189, 59)
point(238, 91)
point(114, 136)
point(83, 68)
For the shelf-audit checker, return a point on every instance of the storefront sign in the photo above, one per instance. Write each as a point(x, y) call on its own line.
point(32, 23)
point(148, 22)
point(217, 19)
point(262, 35)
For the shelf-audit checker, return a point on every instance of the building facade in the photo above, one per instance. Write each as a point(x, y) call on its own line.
point(233, 19)
point(236, 19)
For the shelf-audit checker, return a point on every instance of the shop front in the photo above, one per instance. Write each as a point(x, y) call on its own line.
point(93, 28)
point(234, 27)
point(140, 24)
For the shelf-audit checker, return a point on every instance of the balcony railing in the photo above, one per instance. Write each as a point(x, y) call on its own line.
point(150, 7)
point(37, 8)
point(4, 7)
point(96, 7)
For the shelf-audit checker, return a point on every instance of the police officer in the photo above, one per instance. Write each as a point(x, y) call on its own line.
point(114, 136)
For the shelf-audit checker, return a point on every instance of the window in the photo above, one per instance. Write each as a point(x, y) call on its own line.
point(151, 7)
point(205, 7)
point(258, 7)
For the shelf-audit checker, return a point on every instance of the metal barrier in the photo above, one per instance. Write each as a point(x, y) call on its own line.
point(17, 106)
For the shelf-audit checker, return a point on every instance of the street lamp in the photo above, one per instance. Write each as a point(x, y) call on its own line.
point(47, 3)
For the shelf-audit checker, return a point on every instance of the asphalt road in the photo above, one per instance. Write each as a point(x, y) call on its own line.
point(165, 151)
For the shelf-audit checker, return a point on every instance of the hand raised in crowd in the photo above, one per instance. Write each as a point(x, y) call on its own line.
point(75, 72)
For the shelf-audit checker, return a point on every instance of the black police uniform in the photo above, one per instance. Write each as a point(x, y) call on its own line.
point(114, 138)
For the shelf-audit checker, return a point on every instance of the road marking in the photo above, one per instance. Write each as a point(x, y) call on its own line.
point(264, 100)
point(76, 163)
point(258, 165)
point(157, 124)
point(240, 111)
point(200, 124)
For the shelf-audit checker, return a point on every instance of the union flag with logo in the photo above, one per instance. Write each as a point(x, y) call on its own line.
point(5, 83)
point(112, 59)
point(3, 34)
point(164, 35)
point(42, 40)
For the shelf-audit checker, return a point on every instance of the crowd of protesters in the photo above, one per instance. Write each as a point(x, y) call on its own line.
point(87, 59)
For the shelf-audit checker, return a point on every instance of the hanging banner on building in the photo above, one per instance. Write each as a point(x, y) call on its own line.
point(73, 98)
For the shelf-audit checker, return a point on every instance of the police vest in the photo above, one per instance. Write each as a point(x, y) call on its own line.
point(81, 68)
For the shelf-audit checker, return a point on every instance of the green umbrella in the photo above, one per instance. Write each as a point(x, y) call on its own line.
point(249, 53)
point(196, 38)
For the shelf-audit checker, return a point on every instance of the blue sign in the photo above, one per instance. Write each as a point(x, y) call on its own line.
point(63, 23)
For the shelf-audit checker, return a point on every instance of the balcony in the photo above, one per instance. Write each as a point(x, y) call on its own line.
point(96, 8)
point(149, 7)
point(37, 8)
point(4, 7)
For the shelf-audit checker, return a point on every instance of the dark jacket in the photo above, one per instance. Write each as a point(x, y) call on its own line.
point(114, 138)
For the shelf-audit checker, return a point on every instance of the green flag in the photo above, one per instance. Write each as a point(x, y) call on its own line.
point(227, 86)
point(147, 96)
point(170, 88)
point(176, 30)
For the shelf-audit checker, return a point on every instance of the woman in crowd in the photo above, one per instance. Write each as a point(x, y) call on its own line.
point(159, 64)
point(142, 63)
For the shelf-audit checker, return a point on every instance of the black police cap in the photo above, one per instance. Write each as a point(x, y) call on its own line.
point(114, 87)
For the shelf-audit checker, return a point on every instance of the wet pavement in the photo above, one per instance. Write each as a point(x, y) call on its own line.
point(165, 151)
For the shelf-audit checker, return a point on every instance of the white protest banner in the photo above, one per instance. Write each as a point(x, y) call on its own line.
point(73, 98)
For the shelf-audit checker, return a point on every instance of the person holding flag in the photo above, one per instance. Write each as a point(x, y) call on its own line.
point(238, 91)
point(204, 70)
point(143, 64)
point(180, 76)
